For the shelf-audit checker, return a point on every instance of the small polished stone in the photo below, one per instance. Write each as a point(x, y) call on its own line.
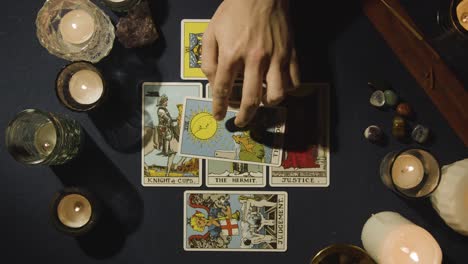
point(420, 134)
point(373, 133)
point(391, 98)
point(404, 109)
point(399, 127)
point(377, 99)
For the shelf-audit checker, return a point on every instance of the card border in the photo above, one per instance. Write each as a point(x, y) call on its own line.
point(203, 157)
point(328, 142)
point(238, 192)
point(182, 48)
point(143, 131)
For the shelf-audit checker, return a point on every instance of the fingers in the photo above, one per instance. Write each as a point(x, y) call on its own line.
point(223, 81)
point(251, 92)
point(209, 54)
point(277, 82)
point(294, 70)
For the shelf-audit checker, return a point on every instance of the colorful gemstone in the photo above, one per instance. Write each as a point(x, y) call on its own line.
point(404, 109)
point(420, 134)
point(399, 127)
point(373, 133)
point(391, 98)
point(377, 99)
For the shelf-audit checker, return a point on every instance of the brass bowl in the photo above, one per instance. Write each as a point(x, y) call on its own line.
point(342, 254)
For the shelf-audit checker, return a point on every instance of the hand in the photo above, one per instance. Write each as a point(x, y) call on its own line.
point(249, 35)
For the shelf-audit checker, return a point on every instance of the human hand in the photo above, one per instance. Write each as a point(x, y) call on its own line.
point(253, 36)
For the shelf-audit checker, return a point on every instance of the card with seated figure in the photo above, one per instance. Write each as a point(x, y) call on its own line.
point(233, 174)
point(161, 121)
point(235, 221)
point(191, 48)
point(202, 136)
point(306, 156)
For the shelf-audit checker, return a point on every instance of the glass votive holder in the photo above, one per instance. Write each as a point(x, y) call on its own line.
point(80, 86)
point(412, 173)
point(75, 30)
point(35, 137)
point(120, 5)
point(74, 211)
point(342, 254)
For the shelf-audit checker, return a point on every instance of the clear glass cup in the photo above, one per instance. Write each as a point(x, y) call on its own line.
point(121, 6)
point(412, 173)
point(80, 86)
point(35, 137)
point(75, 30)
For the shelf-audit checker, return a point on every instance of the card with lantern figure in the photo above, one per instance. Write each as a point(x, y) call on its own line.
point(162, 115)
point(233, 174)
point(191, 48)
point(235, 221)
point(202, 136)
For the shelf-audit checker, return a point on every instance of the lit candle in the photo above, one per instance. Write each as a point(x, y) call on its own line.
point(86, 87)
point(462, 14)
point(77, 27)
point(390, 238)
point(74, 211)
point(407, 171)
point(45, 139)
point(450, 199)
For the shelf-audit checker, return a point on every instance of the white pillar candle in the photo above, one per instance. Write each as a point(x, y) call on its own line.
point(450, 199)
point(77, 26)
point(86, 87)
point(74, 210)
point(45, 139)
point(407, 171)
point(390, 238)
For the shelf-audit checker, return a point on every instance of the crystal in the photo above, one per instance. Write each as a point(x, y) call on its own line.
point(420, 134)
point(377, 99)
point(373, 133)
point(404, 109)
point(391, 98)
point(399, 127)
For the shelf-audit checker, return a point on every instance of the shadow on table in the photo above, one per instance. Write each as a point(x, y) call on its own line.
point(122, 207)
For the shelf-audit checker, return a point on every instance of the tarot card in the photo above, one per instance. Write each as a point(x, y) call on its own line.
point(306, 157)
point(233, 174)
point(204, 137)
point(191, 48)
point(162, 115)
point(235, 221)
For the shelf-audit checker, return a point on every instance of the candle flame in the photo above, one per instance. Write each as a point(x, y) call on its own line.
point(464, 18)
point(74, 26)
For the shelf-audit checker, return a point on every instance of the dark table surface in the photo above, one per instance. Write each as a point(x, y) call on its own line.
point(337, 45)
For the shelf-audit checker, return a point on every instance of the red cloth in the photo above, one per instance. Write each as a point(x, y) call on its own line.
point(301, 159)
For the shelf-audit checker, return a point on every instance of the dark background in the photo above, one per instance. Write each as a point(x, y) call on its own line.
point(336, 44)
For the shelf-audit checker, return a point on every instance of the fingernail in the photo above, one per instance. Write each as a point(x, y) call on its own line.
point(239, 124)
point(218, 117)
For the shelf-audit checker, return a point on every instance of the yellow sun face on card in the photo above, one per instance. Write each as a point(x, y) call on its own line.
point(203, 126)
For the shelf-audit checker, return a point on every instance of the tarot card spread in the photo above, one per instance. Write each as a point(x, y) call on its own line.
point(204, 137)
point(233, 174)
point(162, 114)
point(306, 157)
point(191, 48)
point(235, 221)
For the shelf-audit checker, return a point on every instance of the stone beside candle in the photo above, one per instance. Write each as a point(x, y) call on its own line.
point(390, 238)
point(74, 211)
point(80, 86)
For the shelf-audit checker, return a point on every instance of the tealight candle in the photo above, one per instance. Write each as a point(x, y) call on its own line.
point(77, 27)
point(80, 86)
point(412, 173)
point(45, 138)
point(462, 14)
point(390, 238)
point(450, 199)
point(74, 211)
point(86, 87)
point(121, 5)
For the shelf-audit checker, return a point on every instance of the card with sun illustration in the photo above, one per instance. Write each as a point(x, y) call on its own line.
point(233, 174)
point(191, 48)
point(203, 137)
point(161, 121)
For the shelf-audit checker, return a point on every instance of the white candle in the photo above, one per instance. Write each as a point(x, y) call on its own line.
point(462, 14)
point(86, 87)
point(74, 210)
point(407, 171)
point(45, 139)
point(390, 238)
point(117, 1)
point(77, 26)
point(450, 199)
